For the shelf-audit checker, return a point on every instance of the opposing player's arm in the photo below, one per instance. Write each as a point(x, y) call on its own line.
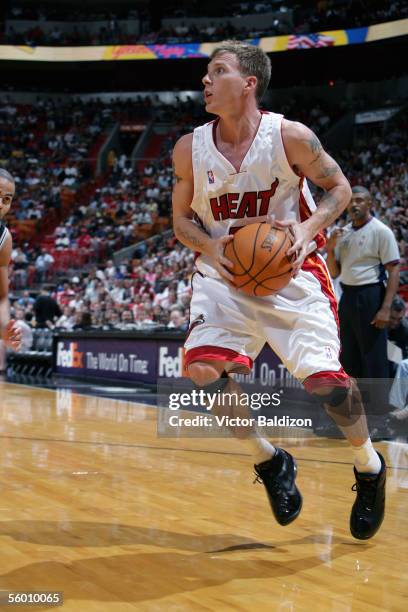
point(185, 228)
point(308, 158)
point(5, 254)
point(10, 334)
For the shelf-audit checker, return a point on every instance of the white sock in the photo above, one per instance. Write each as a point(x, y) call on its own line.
point(261, 449)
point(366, 460)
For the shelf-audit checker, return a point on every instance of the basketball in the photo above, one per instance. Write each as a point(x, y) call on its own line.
point(259, 254)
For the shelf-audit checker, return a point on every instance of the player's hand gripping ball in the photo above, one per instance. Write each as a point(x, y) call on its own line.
point(259, 254)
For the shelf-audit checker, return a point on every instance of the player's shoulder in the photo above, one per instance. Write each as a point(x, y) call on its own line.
point(298, 137)
point(184, 144)
point(182, 156)
point(295, 129)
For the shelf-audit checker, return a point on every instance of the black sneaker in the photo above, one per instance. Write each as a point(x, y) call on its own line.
point(278, 476)
point(367, 512)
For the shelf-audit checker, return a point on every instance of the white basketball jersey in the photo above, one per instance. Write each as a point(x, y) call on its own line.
point(225, 199)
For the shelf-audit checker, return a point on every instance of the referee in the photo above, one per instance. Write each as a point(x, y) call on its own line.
point(361, 254)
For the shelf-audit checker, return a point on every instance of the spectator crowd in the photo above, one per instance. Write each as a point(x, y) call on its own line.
point(79, 218)
point(380, 164)
point(148, 292)
point(300, 18)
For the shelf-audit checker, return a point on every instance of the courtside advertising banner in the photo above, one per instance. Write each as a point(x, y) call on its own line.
point(109, 359)
point(149, 361)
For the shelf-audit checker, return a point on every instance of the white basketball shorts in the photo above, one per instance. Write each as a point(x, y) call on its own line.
point(300, 324)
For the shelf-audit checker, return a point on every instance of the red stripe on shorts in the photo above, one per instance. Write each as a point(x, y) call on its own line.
point(217, 353)
point(314, 264)
point(317, 267)
point(326, 379)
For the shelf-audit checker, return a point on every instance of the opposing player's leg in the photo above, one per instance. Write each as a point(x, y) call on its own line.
point(222, 339)
point(304, 333)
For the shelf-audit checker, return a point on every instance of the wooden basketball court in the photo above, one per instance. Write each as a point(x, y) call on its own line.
point(95, 505)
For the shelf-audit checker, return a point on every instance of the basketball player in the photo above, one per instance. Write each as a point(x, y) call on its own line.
point(245, 167)
point(10, 332)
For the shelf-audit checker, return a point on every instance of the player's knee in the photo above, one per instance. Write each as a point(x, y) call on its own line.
point(343, 404)
point(332, 397)
point(203, 374)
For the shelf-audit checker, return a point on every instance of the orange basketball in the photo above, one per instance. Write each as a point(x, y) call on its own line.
point(261, 265)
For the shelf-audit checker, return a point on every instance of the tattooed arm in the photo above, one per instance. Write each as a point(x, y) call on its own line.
point(186, 230)
point(307, 158)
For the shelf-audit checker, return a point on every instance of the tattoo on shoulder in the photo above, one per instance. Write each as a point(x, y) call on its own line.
point(176, 176)
point(327, 165)
point(315, 146)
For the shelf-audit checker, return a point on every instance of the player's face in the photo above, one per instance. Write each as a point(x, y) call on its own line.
point(223, 84)
point(7, 190)
point(359, 207)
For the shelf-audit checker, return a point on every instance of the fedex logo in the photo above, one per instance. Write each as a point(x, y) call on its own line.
point(171, 367)
point(71, 357)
